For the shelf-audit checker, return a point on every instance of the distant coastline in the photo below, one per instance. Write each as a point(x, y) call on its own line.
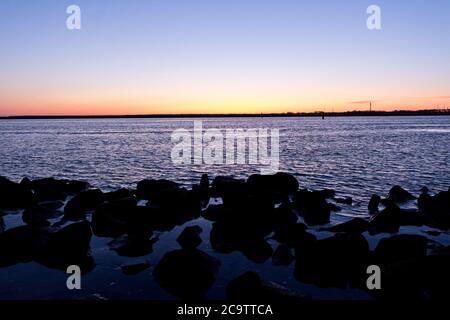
point(433, 112)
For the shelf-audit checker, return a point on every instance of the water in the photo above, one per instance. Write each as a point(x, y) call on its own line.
point(357, 156)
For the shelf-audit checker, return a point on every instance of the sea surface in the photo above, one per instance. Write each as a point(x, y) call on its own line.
point(356, 156)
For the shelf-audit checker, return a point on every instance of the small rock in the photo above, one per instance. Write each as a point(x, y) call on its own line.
point(190, 238)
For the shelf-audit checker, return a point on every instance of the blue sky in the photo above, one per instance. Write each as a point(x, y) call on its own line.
point(221, 56)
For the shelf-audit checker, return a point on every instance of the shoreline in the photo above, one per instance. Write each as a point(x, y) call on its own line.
point(433, 112)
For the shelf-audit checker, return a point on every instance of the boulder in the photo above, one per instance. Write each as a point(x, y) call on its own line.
point(134, 269)
point(64, 186)
point(76, 208)
point(278, 183)
point(400, 195)
point(187, 274)
point(223, 186)
point(258, 251)
point(190, 238)
point(312, 206)
point(39, 215)
point(291, 234)
point(68, 246)
point(374, 202)
point(118, 195)
point(436, 209)
point(336, 261)
point(21, 245)
point(113, 218)
point(282, 256)
point(14, 195)
point(249, 287)
point(355, 225)
point(204, 182)
point(150, 188)
point(400, 247)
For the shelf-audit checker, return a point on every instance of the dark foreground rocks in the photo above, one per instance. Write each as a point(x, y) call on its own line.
point(187, 274)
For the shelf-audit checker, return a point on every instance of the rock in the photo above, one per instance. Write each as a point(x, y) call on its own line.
point(187, 274)
point(437, 210)
point(392, 217)
point(334, 207)
point(400, 247)
point(400, 195)
point(336, 261)
point(76, 208)
point(258, 251)
point(227, 186)
point(118, 195)
point(327, 193)
point(347, 200)
point(279, 182)
point(374, 203)
point(14, 195)
point(133, 245)
point(2, 224)
point(114, 218)
point(64, 186)
point(190, 237)
point(148, 189)
point(134, 269)
point(437, 277)
point(39, 215)
point(69, 246)
point(291, 234)
point(312, 207)
point(21, 245)
point(424, 189)
point(282, 256)
point(204, 182)
point(355, 225)
point(249, 287)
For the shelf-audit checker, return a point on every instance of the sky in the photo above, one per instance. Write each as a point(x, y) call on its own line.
point(222, 56)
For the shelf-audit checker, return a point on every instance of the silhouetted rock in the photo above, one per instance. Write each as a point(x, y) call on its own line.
point(133, 245)
point(76, 208)
point(392, 217)
point(400, 195)
point(134, 269)
point(258, 251)
point(2, 224)
point(400, 247)
point(291, 234)
point(282, 256)
point(437, 276)
point(436, 209)
point(117, 195)
point(374, 203)
point(228, 187)
point(332, 262)
point(346, 200)
point(204, 181)
point(190, 238)
point(14, 195)
point(39, 215)
point(21, 245)
point(50, 189)
point(112, 219)
point(279, 182)
point(355, 225)
point(187, 274)
point(312, 206)
point(149, 188)
point(68, 246)
point(334, 207)
point(249, 287)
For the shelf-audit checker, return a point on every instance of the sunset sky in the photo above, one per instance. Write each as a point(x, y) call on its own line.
point(222, 56)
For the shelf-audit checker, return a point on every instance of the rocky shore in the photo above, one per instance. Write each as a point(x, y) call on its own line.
point(60, 217)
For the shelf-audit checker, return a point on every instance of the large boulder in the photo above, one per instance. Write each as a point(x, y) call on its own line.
point(21, 245)
point(400, 195)
point(436, 209)
point(69, 246)
point(39, 214)
point(400, 247)
point(14, 195)
point(187, 274)
point(76, 208)
point(313, 207)
point(336, 261)
point(355, 225)
point(150, 188)
point(278, 183)
point(190, 238)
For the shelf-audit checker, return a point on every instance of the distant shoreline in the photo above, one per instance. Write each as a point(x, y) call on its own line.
point(434, 112)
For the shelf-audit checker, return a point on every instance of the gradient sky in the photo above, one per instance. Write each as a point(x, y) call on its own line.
point(222, 56)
